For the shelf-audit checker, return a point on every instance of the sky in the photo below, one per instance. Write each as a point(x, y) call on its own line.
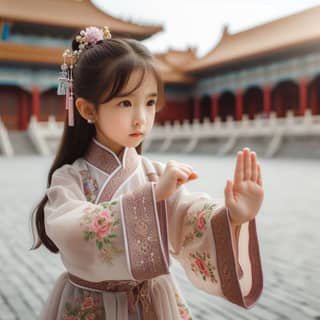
point(199, 23)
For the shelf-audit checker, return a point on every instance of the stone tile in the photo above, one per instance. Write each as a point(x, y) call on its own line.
point(287, 226)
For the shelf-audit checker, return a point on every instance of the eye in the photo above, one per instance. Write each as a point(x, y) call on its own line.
point(125, 103)
point(151, 103)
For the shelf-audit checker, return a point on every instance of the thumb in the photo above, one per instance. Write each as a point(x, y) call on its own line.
point(228, 193)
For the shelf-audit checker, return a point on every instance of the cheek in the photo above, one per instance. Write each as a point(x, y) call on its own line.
point(151, 116)
point(113, 119)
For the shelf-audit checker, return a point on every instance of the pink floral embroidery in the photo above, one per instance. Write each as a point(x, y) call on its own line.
point(101, 225)
point(87, 303)
point(201, 265)
point(198, 222)
point(86, 307)
point(183, 310)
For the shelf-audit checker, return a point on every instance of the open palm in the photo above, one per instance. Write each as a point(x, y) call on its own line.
point(244, 195)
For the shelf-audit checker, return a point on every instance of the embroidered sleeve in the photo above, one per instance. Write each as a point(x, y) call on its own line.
point(215, 261)
point(82, 231)
point(128, 232)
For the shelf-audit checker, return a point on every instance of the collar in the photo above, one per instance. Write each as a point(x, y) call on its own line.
point(106, 160)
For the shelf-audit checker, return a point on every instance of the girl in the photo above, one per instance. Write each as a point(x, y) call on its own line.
point(117, 217)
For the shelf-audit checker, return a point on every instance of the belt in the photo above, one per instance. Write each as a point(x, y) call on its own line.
point(137, 292)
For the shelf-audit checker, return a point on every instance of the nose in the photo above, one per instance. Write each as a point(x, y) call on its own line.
point(139, 117)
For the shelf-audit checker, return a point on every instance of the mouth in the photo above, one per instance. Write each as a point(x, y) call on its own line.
point(136, 134)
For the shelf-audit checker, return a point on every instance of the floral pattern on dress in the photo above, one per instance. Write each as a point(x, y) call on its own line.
point(201, 265)
point(85, 307)
point(183, 310)
point(100, 225)
point(90, 185)
point(198, 222)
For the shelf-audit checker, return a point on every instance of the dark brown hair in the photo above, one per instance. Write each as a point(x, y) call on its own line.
point(100, 74)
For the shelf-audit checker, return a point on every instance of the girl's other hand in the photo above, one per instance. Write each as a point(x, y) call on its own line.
point(244, 195)
point(175, 174)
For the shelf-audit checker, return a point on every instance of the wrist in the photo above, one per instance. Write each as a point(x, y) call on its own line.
point(234, 223)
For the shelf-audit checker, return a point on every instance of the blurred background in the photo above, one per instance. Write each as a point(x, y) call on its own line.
point(237, 74)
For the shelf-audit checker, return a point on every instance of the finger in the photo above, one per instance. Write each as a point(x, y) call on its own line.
point(254, 170)
point(247, 164)
point(238, 172)
point(259, 179)
point(191, 173)
point(194, 175)
point(181, 177)
point(187, 171)
point(185, 165)
point(173, 163)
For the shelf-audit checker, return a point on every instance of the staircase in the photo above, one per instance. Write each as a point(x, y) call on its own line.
point(21, 143)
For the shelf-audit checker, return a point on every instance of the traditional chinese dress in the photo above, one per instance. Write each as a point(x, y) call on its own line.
point(116, 242)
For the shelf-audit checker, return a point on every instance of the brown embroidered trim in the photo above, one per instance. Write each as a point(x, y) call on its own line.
point(106, 161)
point(108, 285)
point(226, 263)
point(132, 161)
point(239, 269)
point(162, 217)
point(143, 236)
point(257, 281)
point(161, 206)
point(101, 158)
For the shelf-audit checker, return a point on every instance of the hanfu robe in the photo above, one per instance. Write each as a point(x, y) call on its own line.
point(103, 216)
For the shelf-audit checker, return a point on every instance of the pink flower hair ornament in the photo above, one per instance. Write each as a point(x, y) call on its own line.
point(90, 36)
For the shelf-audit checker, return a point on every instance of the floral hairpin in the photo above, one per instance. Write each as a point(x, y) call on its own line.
point(88, 37)
point(91, 36)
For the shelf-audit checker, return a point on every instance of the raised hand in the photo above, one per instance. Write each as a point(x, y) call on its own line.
point(244, 195)
point(175, 174)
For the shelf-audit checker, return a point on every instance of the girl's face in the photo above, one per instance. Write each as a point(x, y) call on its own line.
point(125, 120)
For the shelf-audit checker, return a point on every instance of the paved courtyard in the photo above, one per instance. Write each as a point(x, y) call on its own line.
point(288, 227)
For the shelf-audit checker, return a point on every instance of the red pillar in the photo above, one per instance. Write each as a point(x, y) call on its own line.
point(196, 108)
point(313, 99)
point(35, 102)
point(239, 105)
point(267, 99)
point(214, 106)
point(23, 114)
point(303, 96)
point(277, 104)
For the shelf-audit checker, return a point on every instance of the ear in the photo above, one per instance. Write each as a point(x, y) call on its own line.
point(86, 109)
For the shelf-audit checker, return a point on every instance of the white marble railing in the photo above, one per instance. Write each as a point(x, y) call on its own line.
point(5, 145)
point(272, 127)
point(43, 133)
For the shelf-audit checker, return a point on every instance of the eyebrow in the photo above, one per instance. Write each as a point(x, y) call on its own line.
point(121, 95)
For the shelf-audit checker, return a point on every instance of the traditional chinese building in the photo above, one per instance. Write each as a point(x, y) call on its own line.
point(269, 72)
point(33, 36)
point(271, 67)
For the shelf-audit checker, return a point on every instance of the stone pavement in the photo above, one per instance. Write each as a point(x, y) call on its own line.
point(288, 230)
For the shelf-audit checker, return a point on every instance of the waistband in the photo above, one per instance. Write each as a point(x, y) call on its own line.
point(109, 285)
point(137, 292)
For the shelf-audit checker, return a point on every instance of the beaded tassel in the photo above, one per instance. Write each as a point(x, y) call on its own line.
point(67, 95)
point(70, 100)
point(63, 79)
point(70, 111)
